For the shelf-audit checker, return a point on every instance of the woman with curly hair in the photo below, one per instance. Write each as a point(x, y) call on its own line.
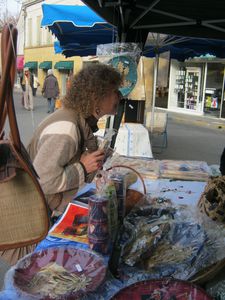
point(64, 150)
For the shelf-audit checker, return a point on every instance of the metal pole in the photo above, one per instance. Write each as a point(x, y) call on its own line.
point(154, 89)
point(222, 94)
point(204, 85)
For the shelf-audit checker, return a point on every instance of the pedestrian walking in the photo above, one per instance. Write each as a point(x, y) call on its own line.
point(50, 90)
point(36, 84)
point(26, 82)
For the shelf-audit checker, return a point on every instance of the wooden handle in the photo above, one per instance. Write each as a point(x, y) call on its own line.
point(8, 48)
point(139, 175)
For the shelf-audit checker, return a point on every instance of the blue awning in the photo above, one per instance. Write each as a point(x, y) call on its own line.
point(74, 49)
point(76, 24)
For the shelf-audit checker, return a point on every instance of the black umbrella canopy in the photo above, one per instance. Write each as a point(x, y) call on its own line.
point(182, 48)
point(135, 18)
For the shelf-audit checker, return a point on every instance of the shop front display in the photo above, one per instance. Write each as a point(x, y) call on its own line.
point(211, 100)
point(223, 109)
point(214, 90)
point(179, 87)
point(187, 89)
point(192, 87)
point(197, 86)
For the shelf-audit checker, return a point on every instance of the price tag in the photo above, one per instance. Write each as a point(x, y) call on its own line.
point(154, 229)
point(79, 269)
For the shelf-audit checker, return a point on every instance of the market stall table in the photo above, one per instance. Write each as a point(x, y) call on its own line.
point(132, 140)
point(179, 192)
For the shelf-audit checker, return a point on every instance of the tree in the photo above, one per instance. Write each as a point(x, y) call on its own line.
point(7, 18)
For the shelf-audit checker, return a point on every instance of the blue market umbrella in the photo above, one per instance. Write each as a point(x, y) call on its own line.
point(75, 49)
point(77, 25)
point(182, 48)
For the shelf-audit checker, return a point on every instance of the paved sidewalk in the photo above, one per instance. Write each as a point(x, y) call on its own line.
point(205, 121)
point(193, 138)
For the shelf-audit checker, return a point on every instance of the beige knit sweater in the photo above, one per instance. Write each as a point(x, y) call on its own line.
point(55, 150)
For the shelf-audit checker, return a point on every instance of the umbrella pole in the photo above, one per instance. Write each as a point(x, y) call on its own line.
point(204, 86)
point(222, 94)
point(156, 62)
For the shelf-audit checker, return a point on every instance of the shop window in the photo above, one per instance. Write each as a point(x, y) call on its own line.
point(162, 80)
point(180, 87)
point(161, 97)
point(49, 37)
point(223, 110)
point(38, 22)
point(213, 91)
point(29, 31)
point(88, 63)
point(192, 89)
point(187, 88)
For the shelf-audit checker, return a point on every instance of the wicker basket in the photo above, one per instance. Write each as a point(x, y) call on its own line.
point(166, 288)
point(209, 273)
point(212, 201)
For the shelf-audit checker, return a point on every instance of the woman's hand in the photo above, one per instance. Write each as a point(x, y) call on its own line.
point(93, 161)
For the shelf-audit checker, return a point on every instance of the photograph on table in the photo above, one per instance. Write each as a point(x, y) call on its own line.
point(73, 225)
point(184, 169)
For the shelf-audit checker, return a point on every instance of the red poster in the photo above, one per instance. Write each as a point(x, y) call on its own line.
point(73, 225)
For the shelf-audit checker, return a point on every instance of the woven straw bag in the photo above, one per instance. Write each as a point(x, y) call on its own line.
point(212, 201)
point(23, 211)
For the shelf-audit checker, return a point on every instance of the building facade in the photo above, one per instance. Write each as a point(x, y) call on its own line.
point(36, 44)
point(195, 86)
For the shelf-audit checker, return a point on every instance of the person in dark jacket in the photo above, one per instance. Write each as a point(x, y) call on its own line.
point(222, 163)
point(50, 90)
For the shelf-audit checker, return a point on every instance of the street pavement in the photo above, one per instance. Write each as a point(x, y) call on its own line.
point(194, 138)
point(189, 137)
point(29, 120)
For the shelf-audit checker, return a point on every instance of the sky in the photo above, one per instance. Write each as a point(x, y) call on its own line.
point(12, 5)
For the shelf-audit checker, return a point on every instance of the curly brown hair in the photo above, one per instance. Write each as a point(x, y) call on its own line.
point(90, 86)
